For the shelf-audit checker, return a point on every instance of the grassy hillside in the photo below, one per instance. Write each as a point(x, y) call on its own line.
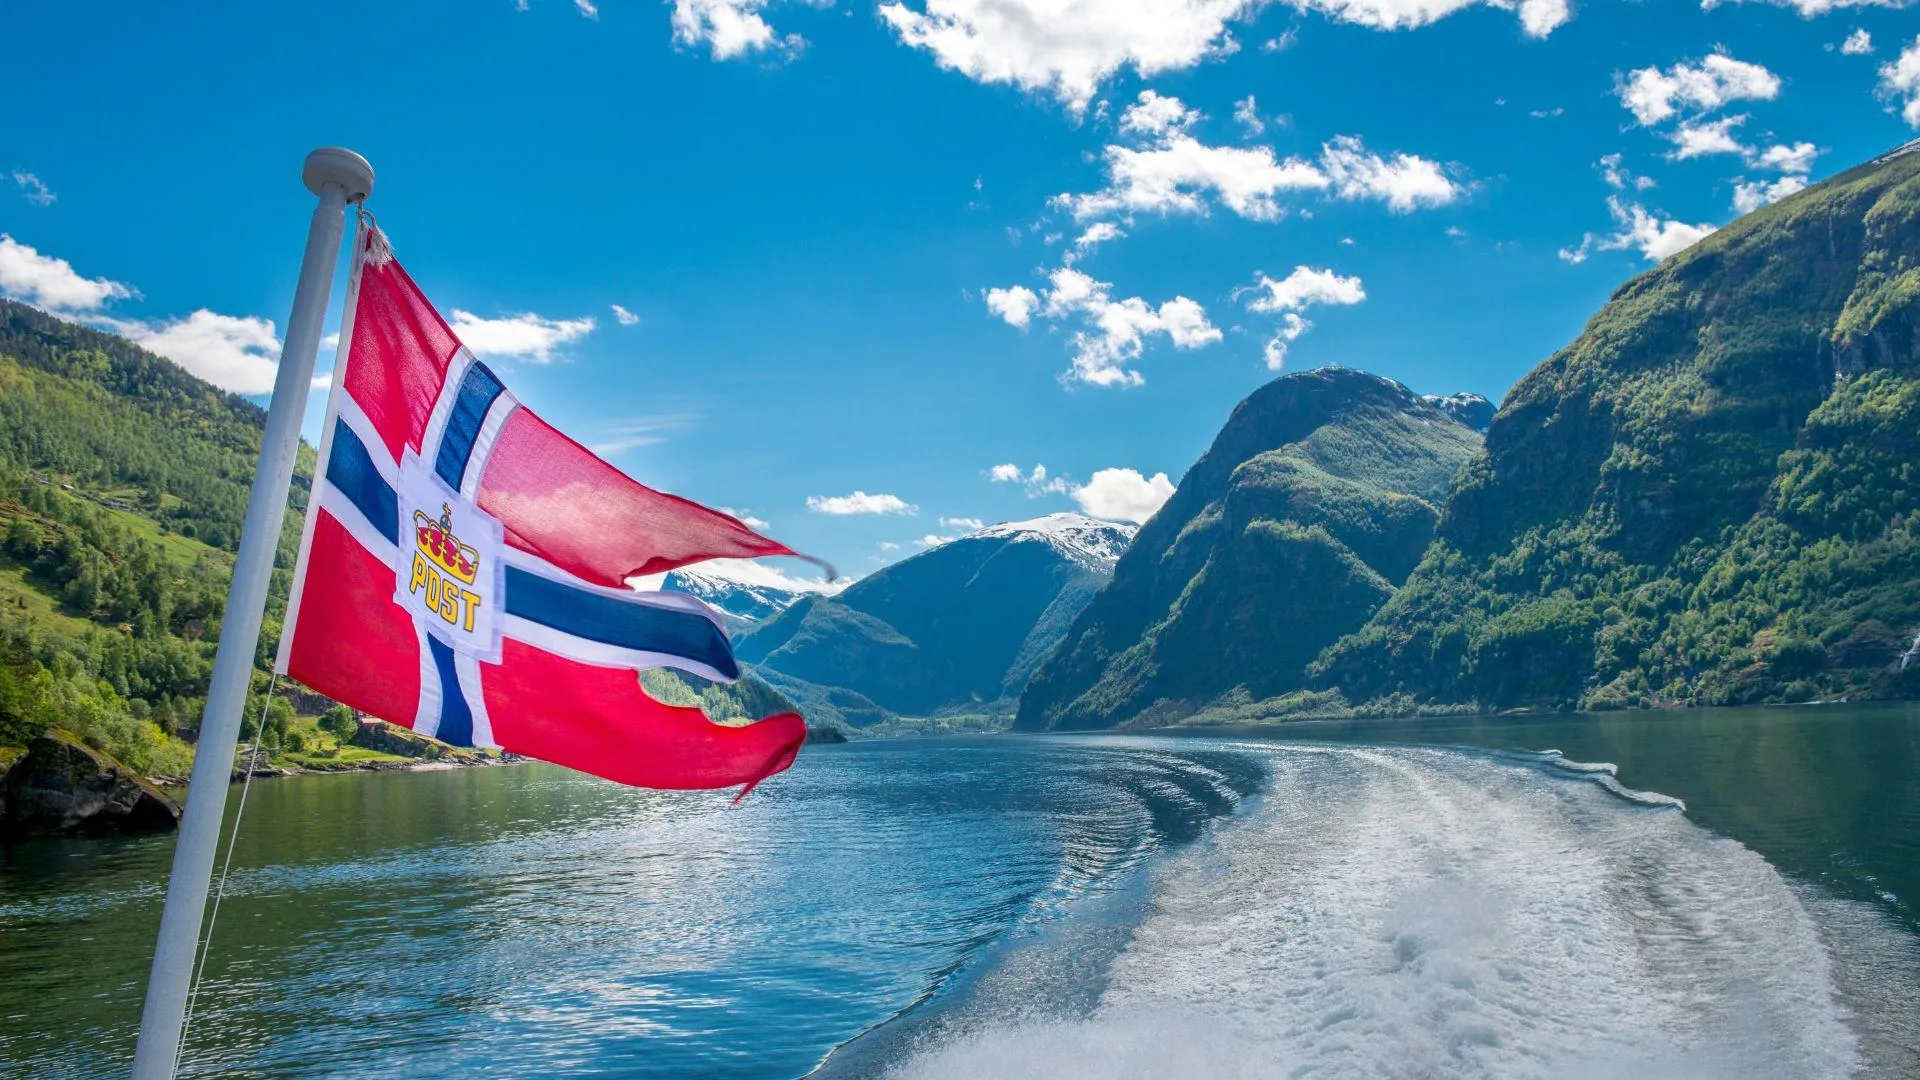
point(123, 481)
point(1312, 505)
point(1708, 498)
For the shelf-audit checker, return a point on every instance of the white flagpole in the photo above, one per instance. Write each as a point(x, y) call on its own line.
point(338, 177)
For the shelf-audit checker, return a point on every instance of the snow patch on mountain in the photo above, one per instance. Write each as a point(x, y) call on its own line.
point(1090, 542)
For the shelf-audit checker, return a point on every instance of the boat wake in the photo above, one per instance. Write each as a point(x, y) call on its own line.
point(1418, 912)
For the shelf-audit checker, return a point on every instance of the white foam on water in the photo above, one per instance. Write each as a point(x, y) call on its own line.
point(1418, 912)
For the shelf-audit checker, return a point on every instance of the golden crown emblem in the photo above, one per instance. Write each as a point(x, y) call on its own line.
point(437, 541)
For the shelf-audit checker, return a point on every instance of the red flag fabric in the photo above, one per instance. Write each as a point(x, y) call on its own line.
point(463, 568)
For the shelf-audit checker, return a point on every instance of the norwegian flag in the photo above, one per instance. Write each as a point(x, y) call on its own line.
point(463, 567)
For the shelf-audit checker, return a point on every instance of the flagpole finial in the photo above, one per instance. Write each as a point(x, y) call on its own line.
point(338, 165)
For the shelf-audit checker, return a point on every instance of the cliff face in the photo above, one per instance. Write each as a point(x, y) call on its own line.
point(1314, 502)
point(1709, 497)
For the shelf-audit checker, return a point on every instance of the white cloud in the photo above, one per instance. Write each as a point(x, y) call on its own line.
point(1652, 236)
point(1810, 8)
point(1537, 17)
point(1115, 331)
point(966, 523)
point(934, 540)
point(1037, 482)
point(1901, 79)
point(587, 9)
point(729, 28)
point(1180, 174)
point(1247, 112)
point(1653, 95)
point(237, 353)
point(33, 189)
point(1542, 17)
point(1796, 159)
point(330, 341)
point(1404, 182)
point(744, 517)
point(1015, 304)
point(1304, 288)
point(888, 545)
point(1123, 494)
point(1698, 138)
point(624, 317)
point(1066, 48)
point(1096, 234)
point(1548, 114)
point(50, 283)
point(1858, 43)
point(859, 503)
point(322, 381)
point(1619, 178)
point(1177, 173)
point(1292, 295)
point(1156, 116)
point(527, 336)
point(1748, 197)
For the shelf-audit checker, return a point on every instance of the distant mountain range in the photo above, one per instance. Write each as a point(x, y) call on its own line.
point(957, 629)
point(743, 603)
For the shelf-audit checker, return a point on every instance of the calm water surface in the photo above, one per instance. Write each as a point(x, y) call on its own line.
point(1434, 899)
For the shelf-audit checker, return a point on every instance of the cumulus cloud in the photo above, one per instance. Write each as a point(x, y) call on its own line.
point(47, 282)
point(1698, 138)
point(1288, 297)
point(1113, 332)
point(1538, 18)
point(1653, 95)
point(1015, 304)
point(1123, 494)
point(728, 28)
point(1900, 82)
point(1065, 48)
point(1404, 182)
point(237, 353)
point(1183, 175)
point(622, 316)
point(1169, 171)
point(1156, 116)
point(526, 337)
point(1006, 474)
point(33, 189)
point(965, 523)
point(1096, 234)
point(1748, 197)
point(1858, 43)
point(1649, 234)
point(1797, 158)
point(859, 503)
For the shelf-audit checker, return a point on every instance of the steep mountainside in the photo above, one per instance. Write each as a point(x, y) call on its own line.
point(956, 628)
point(1711, 496)
point(1314, 502)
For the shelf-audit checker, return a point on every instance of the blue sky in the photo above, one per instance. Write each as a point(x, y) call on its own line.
point(882, 249)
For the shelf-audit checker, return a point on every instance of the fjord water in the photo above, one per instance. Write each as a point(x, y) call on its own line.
point(1441, 898)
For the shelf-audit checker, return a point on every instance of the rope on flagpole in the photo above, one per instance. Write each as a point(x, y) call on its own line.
point(220, 885)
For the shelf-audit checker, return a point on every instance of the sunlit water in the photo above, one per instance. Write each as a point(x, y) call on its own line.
point(1407, 900)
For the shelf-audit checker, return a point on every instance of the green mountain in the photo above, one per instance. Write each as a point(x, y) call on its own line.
point(1712, 496)
point(1313, 504)
point(957, 629)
